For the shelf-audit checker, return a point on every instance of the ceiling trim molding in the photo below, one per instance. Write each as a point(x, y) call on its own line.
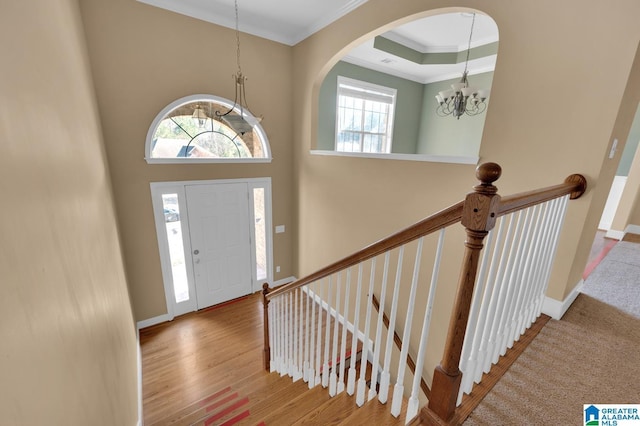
point(253, 27)
point(413, 44)
point(183, 8)
point(396, 73)
point(327, 19)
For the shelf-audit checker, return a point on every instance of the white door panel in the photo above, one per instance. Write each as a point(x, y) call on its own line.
point(221, 248)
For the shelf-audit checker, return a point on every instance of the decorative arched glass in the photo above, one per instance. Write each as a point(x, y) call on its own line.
point(205, 129)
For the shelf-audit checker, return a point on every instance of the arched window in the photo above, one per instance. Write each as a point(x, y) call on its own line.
point(206, 129)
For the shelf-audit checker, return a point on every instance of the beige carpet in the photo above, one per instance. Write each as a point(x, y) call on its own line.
point(591, 356)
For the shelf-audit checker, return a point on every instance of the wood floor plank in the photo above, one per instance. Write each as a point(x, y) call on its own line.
point(206, 368)
point(375, 413)
point(292, 410)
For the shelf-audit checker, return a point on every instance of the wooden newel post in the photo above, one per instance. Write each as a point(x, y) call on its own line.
point(478, 217)
point(267, 349)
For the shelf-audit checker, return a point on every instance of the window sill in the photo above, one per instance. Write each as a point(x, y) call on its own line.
point(205, 160)
point(404, 157)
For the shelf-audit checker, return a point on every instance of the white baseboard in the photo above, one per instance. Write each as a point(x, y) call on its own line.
point(556, 309)
point(166, 317)
point(140, 417)
point(616, 235)
point(632, 229)
point(153, 321)
point(619, 235)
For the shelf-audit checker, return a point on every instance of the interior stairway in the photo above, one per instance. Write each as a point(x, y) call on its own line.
point(269, 399)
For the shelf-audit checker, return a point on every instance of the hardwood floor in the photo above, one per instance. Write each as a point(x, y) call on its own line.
point(632, 238)
point(206, 368)
point(190, 358)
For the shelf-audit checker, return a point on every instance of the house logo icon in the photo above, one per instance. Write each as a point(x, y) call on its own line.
point(591, 416)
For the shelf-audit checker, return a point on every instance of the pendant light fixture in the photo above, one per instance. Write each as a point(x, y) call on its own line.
point(243, 121)
point(461, 98)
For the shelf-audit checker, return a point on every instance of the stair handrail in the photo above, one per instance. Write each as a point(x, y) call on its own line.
point(481, 209)
point(478, 213)
point(426, 226)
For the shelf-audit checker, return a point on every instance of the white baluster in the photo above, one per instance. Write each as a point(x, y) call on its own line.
point(290, 336)
point(362, 382)
point(489, 299)
point(496, 308)
point(333, 378)
point(301, 335)
point(275, 304)
point(524, 278)
point(414, 403)
point(531, 272)
point(283, 325)
point(311, 330)
point(559, 220)
point(378, 342)
point(318, 364)
point(351, 378)
point(515, 281)
point(307, 336)
point(473, 327)
point(398, 389)
point(272, 337)
point(285, 340)
point(327, 339)
point(507, 291)
point(385, 376)
point(547, 214)
point(343, 342)
point(295, 370)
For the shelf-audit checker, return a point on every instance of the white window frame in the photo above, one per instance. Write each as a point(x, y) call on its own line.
point(179, 187)
point(372, 92)
point(182, 160)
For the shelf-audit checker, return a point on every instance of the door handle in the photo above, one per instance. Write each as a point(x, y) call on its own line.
point(196, 252)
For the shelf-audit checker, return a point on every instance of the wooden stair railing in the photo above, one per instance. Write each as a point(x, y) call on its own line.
point(481, 210)
point(514, 272)
point(398, 342)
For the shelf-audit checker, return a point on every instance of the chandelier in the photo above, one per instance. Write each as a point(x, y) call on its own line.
point(245, 120)
point(461, 98)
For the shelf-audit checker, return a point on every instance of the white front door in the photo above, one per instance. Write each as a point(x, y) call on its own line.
point(219, 228)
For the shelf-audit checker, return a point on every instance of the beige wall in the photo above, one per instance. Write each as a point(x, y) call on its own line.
point(635, 215)
point(628, 211)
point(142, 59)
point(575, 78)
point(68, 347)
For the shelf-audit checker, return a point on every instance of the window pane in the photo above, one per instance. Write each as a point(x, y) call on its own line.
point(261, 233)
point(363, 117)
point(176, 248)
point(372, 143)
point(181, 135)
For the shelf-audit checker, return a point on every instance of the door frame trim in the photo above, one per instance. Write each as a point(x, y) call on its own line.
point(179, 187)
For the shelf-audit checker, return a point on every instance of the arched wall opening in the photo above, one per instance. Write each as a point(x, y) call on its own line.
point(419, 58)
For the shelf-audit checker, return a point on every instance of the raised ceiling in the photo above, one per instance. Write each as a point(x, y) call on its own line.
point(284, 21)
point(290, 22)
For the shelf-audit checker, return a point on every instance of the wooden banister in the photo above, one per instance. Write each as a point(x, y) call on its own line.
point(266, 355)
point(481, 209)
point(575, 185)
point(426, 226)
point(478, 214)
point(398, 341)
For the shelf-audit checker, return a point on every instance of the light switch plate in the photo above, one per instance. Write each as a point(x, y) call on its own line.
point(279, 229)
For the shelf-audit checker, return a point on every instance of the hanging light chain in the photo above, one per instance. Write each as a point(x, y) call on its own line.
point(238, 39)
point(466, 63)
